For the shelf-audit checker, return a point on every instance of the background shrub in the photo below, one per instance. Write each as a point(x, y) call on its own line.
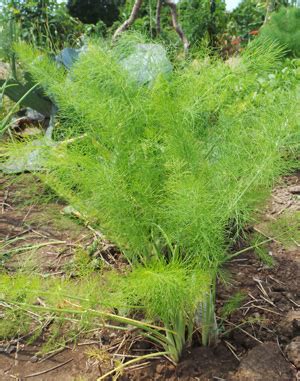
point(284, 27)
point(92, 11)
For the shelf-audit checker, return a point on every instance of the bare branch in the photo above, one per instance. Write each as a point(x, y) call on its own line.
point(158, 13)
point(269, 6)
point(134, 13)
point(176, 25)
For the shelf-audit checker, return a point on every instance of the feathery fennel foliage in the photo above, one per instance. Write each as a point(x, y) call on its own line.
point(169, 291)
point(74, 305)
point(165, 169)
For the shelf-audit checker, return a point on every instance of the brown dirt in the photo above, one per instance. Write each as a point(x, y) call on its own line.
point(30, 215)
point(252, 339)
point(26, 218)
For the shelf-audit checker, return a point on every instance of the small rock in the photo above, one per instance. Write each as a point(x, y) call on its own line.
point(8, 348)
point(263, 363)
point(294, 189)
point(34, 358)
point(293, 351)
point(290, 325)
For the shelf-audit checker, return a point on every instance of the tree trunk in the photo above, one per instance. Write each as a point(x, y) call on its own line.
point(134, 15)
point(176, 25)
point(158, 13)
point(130, 20)
point(269, 9)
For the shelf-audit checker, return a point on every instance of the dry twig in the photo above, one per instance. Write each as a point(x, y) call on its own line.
point(48, 370)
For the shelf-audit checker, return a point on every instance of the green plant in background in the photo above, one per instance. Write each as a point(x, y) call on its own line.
point(9, 32)
point(250, 15)
point(145, 22)
point(247, 16)
point(93, 11)
point(44, 23)
point(284, 27)
point(164, 169)
point(201, 19)
point(198, 21)
point(285, 229)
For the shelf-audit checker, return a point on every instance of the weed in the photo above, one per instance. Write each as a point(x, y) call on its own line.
point(14, 324)
point(98, 354)
point(264, 256)
point(81, 264)
point(232, 304)
point(286, 228)
point(259, 246)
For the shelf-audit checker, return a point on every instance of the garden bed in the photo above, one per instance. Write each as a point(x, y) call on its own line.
point(253, 337)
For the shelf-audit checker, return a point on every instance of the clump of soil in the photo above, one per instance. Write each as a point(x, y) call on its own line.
point(258, 340)
point(263, 363)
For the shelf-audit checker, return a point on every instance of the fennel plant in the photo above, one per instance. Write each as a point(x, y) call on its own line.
point(165, 169)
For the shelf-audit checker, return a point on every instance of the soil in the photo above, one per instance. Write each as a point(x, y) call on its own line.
point(27, 218)
point(259, 340)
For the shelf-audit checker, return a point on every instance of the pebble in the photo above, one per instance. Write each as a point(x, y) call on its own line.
point(293, 351)
point(34, 359)
point(294, 189)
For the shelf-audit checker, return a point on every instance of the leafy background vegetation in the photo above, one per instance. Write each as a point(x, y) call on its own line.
point(284, 28)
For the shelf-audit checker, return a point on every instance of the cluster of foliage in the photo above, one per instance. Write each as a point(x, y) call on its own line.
point(250, 15)
point(247, 16)
point(286, 76)
point(44, 23)
point(170, 171)
point(92, 11)
point(284, 27)
point(203, 19)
